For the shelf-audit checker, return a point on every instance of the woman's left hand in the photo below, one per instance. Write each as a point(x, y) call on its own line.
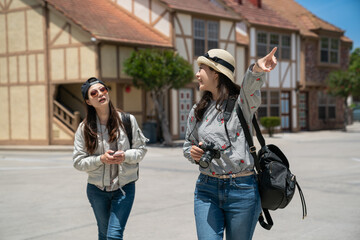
point(267, 63)
point(111, 157)
point(119, 157)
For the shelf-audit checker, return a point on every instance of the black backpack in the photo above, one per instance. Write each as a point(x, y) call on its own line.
point(125, 118)
point(276, 182)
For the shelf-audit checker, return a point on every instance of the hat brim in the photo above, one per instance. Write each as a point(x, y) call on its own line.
point(216, 66)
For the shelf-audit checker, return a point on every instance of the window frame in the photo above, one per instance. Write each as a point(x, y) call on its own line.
point(267, 104)
point(269, 45)
point(327, 104)
point(329, 50)
point(206, 38)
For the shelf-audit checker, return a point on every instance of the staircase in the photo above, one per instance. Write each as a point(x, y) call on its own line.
point(69, 119)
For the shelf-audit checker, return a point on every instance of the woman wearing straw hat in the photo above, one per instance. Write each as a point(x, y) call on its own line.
point(226, 194)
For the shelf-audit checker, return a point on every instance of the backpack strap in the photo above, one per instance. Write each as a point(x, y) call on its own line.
point(248, 137)
point(302, 198)
point(125, 118)
point(230, 103)
point(250, 142)
point(262, 222)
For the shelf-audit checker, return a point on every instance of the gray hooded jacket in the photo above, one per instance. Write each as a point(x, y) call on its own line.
point(127, 171)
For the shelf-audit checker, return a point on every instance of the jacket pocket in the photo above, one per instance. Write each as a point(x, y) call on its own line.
point(128, 173)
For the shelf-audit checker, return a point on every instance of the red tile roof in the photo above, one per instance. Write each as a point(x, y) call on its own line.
point(204, 7)
point(107, 21)
point(301, 17)
point(264, 16)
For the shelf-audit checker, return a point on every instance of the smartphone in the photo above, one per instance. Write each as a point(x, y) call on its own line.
point(117, 153)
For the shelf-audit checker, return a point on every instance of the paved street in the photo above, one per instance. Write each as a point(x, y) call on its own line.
point(43, 196)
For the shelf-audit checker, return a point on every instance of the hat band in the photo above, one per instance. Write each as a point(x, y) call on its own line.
point(220, 61)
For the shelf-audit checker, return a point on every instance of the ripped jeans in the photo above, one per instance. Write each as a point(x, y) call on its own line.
point(230, 204)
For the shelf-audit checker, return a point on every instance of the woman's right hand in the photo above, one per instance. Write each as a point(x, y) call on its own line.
point(196, 152)
point(108, 158)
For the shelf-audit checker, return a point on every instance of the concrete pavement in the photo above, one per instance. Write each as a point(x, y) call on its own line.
point(43, 196)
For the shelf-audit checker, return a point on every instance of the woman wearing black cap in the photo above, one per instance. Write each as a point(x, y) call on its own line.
point(102, 149)
point(226, 194)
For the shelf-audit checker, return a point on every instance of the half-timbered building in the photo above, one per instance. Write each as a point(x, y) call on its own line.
point(194, 27)
point(265, 29)
point(48, 48)
point(323, 48)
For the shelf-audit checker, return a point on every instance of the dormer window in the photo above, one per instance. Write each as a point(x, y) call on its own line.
point(329, 50)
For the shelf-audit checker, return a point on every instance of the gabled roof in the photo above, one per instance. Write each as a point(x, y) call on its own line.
point(307, 22)
point(106, 21)
point(204, 7)
point(263, 16)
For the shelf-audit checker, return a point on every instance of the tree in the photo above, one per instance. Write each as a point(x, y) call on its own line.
point(343, 83)
point(355, 61)
point(270, 123)
point(157, 71)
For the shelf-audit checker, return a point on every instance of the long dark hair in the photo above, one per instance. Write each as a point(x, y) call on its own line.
point(225, 87)
point(90, 127)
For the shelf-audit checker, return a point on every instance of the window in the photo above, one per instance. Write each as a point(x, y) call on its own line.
point(326, 106)
point(261, 44)
point(267, 41)
point(199, 37)
point(329, 50)
point(272, 103)
point(274, 42)
point(285, 47)
point(262, 110)
point(213, 35)
point(331, 107)
point(206, 36)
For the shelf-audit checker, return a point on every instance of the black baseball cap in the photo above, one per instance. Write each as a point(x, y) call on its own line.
point(86, 85)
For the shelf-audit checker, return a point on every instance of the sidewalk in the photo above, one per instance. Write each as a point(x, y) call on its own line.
point(355, 127)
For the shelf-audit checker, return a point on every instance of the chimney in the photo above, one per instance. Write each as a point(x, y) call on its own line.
point(256, 3)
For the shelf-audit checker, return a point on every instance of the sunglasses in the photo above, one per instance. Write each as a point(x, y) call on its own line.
point(94, 93)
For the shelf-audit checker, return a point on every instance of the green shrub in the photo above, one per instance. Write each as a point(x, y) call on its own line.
point(270, 123)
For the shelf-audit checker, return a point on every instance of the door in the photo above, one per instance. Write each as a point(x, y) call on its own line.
point(285, 111)
point(303, 111)
point(185, 104)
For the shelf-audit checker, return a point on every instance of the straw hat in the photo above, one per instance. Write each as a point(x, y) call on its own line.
point(220, 60)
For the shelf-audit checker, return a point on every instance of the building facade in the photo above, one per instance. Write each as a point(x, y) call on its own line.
point(48, 48)
point(323, 48)
point(265, 29)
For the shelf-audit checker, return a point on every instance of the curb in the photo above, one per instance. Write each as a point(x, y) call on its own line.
point(55, 148)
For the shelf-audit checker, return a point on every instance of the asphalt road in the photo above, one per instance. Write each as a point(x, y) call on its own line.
point(43, 197)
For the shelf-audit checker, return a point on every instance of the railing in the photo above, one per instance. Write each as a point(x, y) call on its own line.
point(66, 98)
point(71, 120)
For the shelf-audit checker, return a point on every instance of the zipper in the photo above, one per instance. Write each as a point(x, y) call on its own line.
point(103, 150)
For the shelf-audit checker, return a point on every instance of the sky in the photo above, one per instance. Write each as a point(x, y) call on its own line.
point(344, 14)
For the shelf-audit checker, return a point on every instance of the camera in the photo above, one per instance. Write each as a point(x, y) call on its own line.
point(209, 154)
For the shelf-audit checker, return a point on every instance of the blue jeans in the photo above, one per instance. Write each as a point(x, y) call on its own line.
point(226, 204)
point(111, 209)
